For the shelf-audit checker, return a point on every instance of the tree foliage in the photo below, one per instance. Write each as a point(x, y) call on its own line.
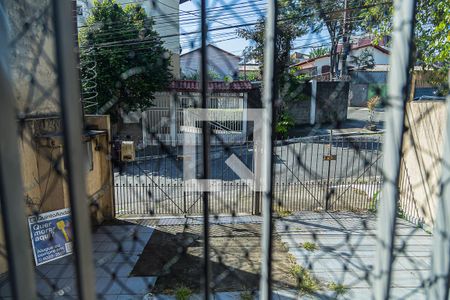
point(364, 60)
point(329, 15)
point(317, 52)
point(431, 31)
point(131, 62)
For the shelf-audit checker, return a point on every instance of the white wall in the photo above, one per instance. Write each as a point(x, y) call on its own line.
point(380, 58)
point(320, 62)
point(220, 62)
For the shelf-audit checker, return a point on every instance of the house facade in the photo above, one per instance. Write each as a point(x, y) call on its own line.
point(220, 63)
point(365, 81)
point(173, 114)
point(320, 66)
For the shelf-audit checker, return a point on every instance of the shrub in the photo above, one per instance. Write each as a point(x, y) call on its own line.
point(285, 122)
point(309, 246)
point(282, 212)
point(338, 288)
point(183, 293)
point(246, 295)
point(306, 283)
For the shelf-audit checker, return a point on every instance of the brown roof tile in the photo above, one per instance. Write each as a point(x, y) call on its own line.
point(215, 86)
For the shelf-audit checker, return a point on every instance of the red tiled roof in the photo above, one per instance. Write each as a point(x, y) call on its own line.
point(215, 86)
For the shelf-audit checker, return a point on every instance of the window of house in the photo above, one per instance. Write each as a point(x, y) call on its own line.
point(325, 69)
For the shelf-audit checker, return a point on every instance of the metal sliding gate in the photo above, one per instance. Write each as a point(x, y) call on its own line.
point(333, 173)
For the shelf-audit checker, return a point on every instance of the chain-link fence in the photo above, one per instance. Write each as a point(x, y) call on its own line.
point(226, 149)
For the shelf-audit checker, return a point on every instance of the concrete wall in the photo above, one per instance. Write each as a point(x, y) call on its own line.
point(220, 62)
point(332, 101)
point(42, 166)
point(422, 152)
point(40, 148)
point(298, 103)
point(300, 111)
point(27, 68)
point(41, 155)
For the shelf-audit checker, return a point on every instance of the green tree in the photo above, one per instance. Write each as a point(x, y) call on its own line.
point(298, 17)
point(432, 35)
point(321, 51)
point(131, 62)
point(364, 60)
point(329, 15)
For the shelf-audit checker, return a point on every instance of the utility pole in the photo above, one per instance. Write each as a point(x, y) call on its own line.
point(345, 41)
point(245, 68)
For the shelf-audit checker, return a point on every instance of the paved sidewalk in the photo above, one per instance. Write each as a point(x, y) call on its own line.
point(345, 253)
point(345, 256)
point(116, 249)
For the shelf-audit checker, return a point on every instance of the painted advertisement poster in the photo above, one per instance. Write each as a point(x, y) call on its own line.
point(51, 235)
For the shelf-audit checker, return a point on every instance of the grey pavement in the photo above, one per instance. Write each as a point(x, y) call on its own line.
point(345, 253)
point(116, 250)
point(356, 121)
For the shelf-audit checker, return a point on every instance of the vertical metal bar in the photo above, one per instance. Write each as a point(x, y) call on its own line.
point(69, 89)
point(400, 62)
point(288, 185)
point(327, 189)
point(269, 97)
point(20, 265)
point(206, 148)
point(440, 266)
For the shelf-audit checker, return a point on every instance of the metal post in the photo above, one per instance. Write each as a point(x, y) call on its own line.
point(21, 271)
point(269, 97)
point(206, 130)
point(400, 63)
point(69, 89)
point(327, 190)
point(184, 204)
point(313, 108)
point(345, 41)
point(440, 267)
point(244, 116)
point(173, 118)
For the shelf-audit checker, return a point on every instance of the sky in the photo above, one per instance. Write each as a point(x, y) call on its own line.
point(223, 14)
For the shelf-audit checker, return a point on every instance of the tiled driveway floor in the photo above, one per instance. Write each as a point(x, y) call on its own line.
point(345, 255)
point(346, 252)
point(116, 249)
